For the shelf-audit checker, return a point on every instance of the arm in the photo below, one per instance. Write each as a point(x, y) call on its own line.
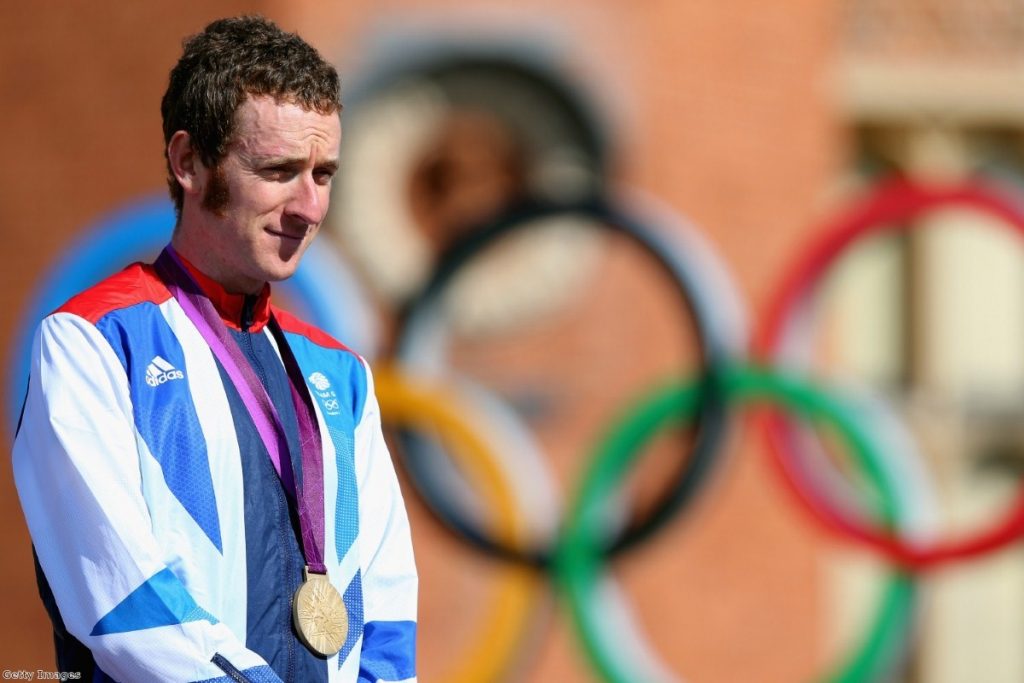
point(389, 579)
point(77, 471)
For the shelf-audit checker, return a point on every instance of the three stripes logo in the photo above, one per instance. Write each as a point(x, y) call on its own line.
point(160, 371)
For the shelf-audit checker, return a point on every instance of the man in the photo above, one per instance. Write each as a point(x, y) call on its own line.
point(203, 475)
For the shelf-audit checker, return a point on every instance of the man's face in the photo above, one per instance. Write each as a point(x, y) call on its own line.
point(264, 202)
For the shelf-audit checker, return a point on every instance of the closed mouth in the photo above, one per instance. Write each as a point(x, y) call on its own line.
point(286, 235)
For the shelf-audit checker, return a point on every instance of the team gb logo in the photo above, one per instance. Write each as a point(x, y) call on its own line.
point(320, 381)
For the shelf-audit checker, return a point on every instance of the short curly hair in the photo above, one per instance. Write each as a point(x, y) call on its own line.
point(230, 60)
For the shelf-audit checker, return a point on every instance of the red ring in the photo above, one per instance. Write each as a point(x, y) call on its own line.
point(889, 207)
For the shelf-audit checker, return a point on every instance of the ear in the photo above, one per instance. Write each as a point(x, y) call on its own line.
point(185, 164)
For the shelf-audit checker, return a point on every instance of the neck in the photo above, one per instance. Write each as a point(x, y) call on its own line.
point(205, 261)
point(240, 311)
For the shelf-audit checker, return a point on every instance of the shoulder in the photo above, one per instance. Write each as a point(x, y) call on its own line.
point(136, 284)
point(294, 325)
point(328, 365)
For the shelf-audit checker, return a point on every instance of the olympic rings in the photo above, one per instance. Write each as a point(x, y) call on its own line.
point(890, 207)
point(580, 555)
point(420, 314)
point(403, 402)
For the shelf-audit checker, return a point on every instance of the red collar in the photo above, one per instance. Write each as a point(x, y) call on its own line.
point(233, 307)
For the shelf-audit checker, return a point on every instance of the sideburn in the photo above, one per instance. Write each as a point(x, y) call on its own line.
point(217, 193)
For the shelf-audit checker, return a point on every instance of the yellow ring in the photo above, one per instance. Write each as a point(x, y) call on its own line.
point(405, 402)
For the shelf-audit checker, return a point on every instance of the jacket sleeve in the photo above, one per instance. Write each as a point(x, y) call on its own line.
point(389, 571)
point(77, 471)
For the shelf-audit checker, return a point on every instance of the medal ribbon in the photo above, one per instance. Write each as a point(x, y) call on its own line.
point(309, 498)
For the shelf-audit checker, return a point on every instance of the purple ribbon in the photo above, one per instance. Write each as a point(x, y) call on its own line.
point(309, 498)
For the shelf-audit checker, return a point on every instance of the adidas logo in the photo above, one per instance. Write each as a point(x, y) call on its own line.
point(160, 371)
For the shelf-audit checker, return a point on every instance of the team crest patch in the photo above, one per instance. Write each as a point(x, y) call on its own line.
point(328, 399)
point(318, 380)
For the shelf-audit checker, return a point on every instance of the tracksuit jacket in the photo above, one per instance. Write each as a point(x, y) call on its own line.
point(166, 547)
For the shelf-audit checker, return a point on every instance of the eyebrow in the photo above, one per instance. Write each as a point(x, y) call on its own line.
point(274, 162)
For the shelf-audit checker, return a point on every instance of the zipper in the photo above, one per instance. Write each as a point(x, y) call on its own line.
point(284, 525)
point(248, 312)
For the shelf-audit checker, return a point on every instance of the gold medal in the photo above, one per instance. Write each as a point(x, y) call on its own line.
point(321, 619)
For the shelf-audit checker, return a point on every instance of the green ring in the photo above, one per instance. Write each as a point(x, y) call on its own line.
point(580, 564)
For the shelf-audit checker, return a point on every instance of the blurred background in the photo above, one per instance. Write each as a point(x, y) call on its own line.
point(736, 132)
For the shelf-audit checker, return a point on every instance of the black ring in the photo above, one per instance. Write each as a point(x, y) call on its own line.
point(712, 424)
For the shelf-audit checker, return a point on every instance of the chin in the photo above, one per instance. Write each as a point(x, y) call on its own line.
point(280, 273)
point(281, 266)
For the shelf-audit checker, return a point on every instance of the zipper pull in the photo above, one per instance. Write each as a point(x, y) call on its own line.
point(248, 311)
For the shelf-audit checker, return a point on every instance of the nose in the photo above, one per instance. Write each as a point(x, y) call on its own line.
point(308, 203)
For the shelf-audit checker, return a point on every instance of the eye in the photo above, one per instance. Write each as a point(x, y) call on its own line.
point(278, 173)
point(323, 176)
